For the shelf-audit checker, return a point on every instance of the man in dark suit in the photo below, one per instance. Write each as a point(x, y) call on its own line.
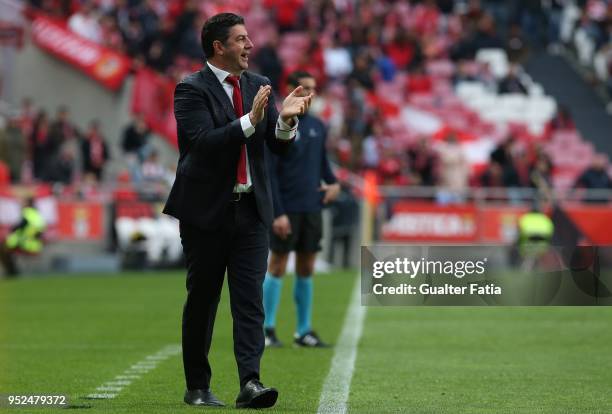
point(222, 198)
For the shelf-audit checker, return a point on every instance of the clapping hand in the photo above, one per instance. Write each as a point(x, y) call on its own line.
point(295, 104)
point(259, 104)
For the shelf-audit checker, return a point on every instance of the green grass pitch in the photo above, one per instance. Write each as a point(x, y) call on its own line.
point(69, 335)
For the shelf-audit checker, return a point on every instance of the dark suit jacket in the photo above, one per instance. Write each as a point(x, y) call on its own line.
point(209, 140)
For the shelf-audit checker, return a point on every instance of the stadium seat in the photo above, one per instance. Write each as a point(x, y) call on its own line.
point(496, 59)
point(171, 240)
point(469, 90)
point(125, 227)
point(541, 107)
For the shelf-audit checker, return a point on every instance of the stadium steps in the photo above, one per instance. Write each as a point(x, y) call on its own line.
point(562, 82)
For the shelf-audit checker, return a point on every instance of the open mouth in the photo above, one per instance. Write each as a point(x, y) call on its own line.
point(245, 56)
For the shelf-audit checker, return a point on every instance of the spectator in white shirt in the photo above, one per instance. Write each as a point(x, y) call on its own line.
point(85, 23)
point(338, 61)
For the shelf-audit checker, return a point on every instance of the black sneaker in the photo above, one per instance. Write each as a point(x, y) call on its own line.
point(309, 340)
point(271, 339)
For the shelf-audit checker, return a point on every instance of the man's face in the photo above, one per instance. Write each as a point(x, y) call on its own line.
point(235, 52)
point(309, 85)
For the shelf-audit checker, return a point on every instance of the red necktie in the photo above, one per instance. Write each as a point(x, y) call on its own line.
point(237, 98)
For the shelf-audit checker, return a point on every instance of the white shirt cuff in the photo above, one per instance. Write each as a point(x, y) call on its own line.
point(247, 127)
point(284, 131)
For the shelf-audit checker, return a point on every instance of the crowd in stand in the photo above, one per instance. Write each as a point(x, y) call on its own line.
point(36, 147)
point(589, 31)
point(350, 48)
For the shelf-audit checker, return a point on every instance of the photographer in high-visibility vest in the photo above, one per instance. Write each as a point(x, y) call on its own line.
point(25, 237)
point(535, 230)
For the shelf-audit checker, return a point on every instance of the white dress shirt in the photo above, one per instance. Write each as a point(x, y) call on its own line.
point(283, 131)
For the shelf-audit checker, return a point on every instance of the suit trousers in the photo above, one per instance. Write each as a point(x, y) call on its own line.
point(240, 247)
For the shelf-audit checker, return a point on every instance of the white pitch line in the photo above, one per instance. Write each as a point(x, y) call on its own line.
point(335, 393)
point(148, 363)
point(101, 396)
point(121, 382)
point(107, 388)
point(122, 377)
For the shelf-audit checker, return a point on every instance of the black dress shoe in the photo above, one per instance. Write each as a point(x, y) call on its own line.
point(202, 397)
point(255, 395)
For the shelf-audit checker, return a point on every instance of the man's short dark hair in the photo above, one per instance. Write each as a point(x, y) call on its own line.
point(293, 80)
point(218, 28)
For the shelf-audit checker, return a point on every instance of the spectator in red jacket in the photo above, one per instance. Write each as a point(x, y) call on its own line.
point(285, 12)
point(419, 81)
point(404, 50)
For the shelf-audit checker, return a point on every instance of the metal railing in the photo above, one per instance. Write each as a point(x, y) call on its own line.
point(514, 195)
point(481, 195)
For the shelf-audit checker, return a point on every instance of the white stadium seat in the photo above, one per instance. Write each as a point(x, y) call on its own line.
point(497, 60)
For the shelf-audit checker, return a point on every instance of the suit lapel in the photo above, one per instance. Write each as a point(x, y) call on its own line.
point(217, 90)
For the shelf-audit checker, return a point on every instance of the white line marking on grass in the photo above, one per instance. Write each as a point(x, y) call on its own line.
point(107, 388)
point(122, 382)
point(147, 367)
point(137, 371)
point(156, 357)
point(101, 396)
point(121, 377)
point(335, 393)
point(148, 363)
